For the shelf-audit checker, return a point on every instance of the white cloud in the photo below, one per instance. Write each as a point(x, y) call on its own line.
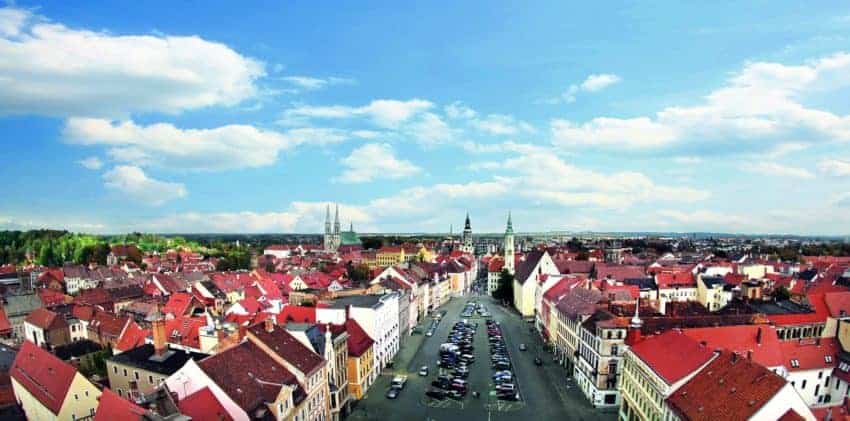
point(132, 182)
point(632, 133)
point(501, 124)
point(834, 167)
point(430, 129)
point(593, 83)
point(92, 163)
point(387, 113)
point(220, 148)
point(458, 110)
point(48, 68)
point(313, 83)
point(777, 170)
point(783, 149)
point(375, 161)
point(598, 82)
point(687, 160)
point(759, 105)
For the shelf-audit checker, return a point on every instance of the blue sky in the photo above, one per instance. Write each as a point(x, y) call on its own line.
point(662, 116)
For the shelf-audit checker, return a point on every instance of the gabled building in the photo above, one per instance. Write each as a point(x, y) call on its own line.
point(47, 388)
point(733, 387)
point(47, 329)
point(655, 368)
point(529, 270)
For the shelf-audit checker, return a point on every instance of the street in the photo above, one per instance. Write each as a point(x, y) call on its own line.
point(545, 392)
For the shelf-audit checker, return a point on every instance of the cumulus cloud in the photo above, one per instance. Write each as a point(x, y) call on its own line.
point(593, 83)
point(375, 161)
point(387, 113)
point(220, 148)
point(458, 110)
point(92, 163)
point(50, 69)
point(777, 170)
point(133, 183)
point(758, 105)
point(834, 167)
point(314, 83)
point(501, 124)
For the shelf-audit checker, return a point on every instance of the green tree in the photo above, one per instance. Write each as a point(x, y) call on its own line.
point(781, 294)
point(505, 290)
point(46, 255)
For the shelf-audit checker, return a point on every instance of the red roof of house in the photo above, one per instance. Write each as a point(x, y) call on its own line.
point(251, 305)
point(298, 314)
point(184, 331)
point(248, 375)
point(44, 376)
point(838, 303)
point(672, 355)
point(358, 340)
point(289, 348)
point(112, 407)
point(83, 312)
point(761, 340)
point(51, 297)
point(108, 324)
point(5, 325)
point(132, 337)
point(619, 272)
point(819, 315)
point(810, 354)
point(203, 405)
point(178, 304)
point(672, 279)
point(496, 264)
point(45, 319)
point(729, 388)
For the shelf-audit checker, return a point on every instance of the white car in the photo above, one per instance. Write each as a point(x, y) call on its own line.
point(398, 382)
point(423, 371)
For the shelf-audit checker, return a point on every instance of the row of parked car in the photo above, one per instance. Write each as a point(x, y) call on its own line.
point(503, 378)
point(457, 354)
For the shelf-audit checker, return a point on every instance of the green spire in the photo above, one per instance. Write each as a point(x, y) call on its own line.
point(510, 229)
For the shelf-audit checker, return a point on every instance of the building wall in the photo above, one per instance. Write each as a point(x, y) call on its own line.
point(360, 373)
point(121, 375)
point(812, 385)
point(81, 400)
point(190, 379)
point(786, 399)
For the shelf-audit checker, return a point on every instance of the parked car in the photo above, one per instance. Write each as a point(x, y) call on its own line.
point(522, 347)
point(393, 393)
point(436, 394)
point(423, 371)
point(399, 382)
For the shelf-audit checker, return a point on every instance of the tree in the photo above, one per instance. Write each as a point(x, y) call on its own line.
point(47, 256)
point(781, 294)
point(358, 274)
point(505, 290)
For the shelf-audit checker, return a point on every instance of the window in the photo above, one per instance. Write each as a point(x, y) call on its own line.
point(115, 369)
point(820, 374)
point(136, 374)
point(150, 379)
point(827, 358)
point(795, 363)
point(76, 397)
point(803, 386)
point(125, 372)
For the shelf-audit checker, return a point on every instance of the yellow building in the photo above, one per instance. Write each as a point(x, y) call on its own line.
point(49, 389)
point(390, 256)
point(360, 359)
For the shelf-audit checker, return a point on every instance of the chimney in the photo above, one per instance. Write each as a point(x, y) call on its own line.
point(158, 327)
point(269, 324)
point(758, 336)
point(750, 354)
point(734, 357)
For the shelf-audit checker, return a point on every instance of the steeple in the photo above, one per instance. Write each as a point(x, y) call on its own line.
point(467, 226)
point(636, 322)
point(328, 219)
point(510, 228)
point(336, 220)
point(350, 226)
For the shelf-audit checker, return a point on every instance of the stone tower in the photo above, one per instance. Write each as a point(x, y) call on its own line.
point(467, 246)
point(509, 246)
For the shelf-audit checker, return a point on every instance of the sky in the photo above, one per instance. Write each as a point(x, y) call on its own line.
point(193, 117)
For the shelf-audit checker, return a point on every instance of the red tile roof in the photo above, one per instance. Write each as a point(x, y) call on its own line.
point(5, 325)
point(112, 407)
point(203, 405)
point(838, 303)
point(288, 347)
point(672, 279)
point(247, 375)
point(132, 337)
point(45, 319)
point(672, 355)
point(44, 376)
point(358, 340)
point(619, 272)
point(51, 297)
point(810, 354)
point(178, 304)
point(496, 264)
point(299, 314)
point(742, 339)
point(792, 415)
point(729, 388)
point(184, 331)
point(819, 315)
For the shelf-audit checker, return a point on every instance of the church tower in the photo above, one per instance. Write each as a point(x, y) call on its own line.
point(509, 246)
point(467, 246)
point(336, 234)
point(327, 238)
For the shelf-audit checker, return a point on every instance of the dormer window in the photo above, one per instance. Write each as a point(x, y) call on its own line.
point(795, 363)
point(827, 358)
